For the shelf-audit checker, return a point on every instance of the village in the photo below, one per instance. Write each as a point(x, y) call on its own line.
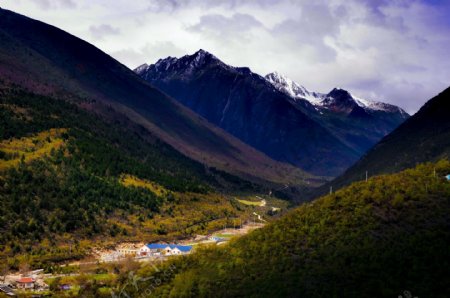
point(35, 281)
point(38, 282)
point(160, 251)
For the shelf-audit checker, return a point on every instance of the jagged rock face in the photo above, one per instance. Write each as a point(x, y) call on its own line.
point(339, 101)
point(281, 123)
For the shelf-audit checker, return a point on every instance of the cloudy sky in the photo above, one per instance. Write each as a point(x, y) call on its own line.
point(391, 50)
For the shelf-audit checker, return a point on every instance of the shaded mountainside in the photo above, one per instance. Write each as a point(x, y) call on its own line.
point(357, 125)
point(249, 107)
point(372, 239)
point(49, 61)
point(424, 137)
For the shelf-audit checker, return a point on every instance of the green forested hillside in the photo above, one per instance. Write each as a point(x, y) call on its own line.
point(371, 239)
point(61, 171)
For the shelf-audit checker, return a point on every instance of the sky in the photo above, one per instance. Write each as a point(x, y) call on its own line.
point(395, 51)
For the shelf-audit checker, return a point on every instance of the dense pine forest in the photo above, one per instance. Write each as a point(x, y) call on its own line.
point(380, 238)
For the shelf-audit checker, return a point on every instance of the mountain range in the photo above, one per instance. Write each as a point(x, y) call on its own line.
point(320, 133)
point(235, 120)
point(45, 60)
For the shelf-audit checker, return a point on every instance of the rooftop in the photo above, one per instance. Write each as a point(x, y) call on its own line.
point(183, 248)
point(25, 280)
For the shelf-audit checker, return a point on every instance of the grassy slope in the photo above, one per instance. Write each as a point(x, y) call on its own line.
point(374, 239)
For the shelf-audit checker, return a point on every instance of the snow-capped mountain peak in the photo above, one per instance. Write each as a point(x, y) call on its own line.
point(201, 54)
point(293, 89)
point(201, 57)
point(186, 64)
point(141, 69)
point(337, 96)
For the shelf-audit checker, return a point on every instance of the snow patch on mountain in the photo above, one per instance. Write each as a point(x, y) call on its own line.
point(297, 91)
point(184, 65)
point(141, 69)
point(293, 89)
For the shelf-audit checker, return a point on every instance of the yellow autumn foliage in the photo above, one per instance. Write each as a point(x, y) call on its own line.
point(30, 148)
point(129, 180)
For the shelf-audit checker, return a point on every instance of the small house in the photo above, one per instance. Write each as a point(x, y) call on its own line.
point(128, 251)
point(448, 177)
point(180, 249)
point(26, 283)
point(144, 251)
point(152, 249)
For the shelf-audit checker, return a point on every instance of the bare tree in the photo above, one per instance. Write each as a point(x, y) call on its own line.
point(24, 268)
point(4, 269)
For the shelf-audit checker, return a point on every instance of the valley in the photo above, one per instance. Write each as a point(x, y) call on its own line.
point(51, 169)
point(191, 177)
point(70, 186)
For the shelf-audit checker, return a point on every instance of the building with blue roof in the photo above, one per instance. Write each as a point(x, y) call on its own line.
point(155, 249)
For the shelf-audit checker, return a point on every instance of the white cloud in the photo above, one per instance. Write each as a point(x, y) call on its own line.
point(55, 4)
point(150, 52)
point(100, 31)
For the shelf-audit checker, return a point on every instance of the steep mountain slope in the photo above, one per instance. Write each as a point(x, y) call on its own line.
point(379, 238)
point(422, 138)
point(249, 107)
point(49, 61)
